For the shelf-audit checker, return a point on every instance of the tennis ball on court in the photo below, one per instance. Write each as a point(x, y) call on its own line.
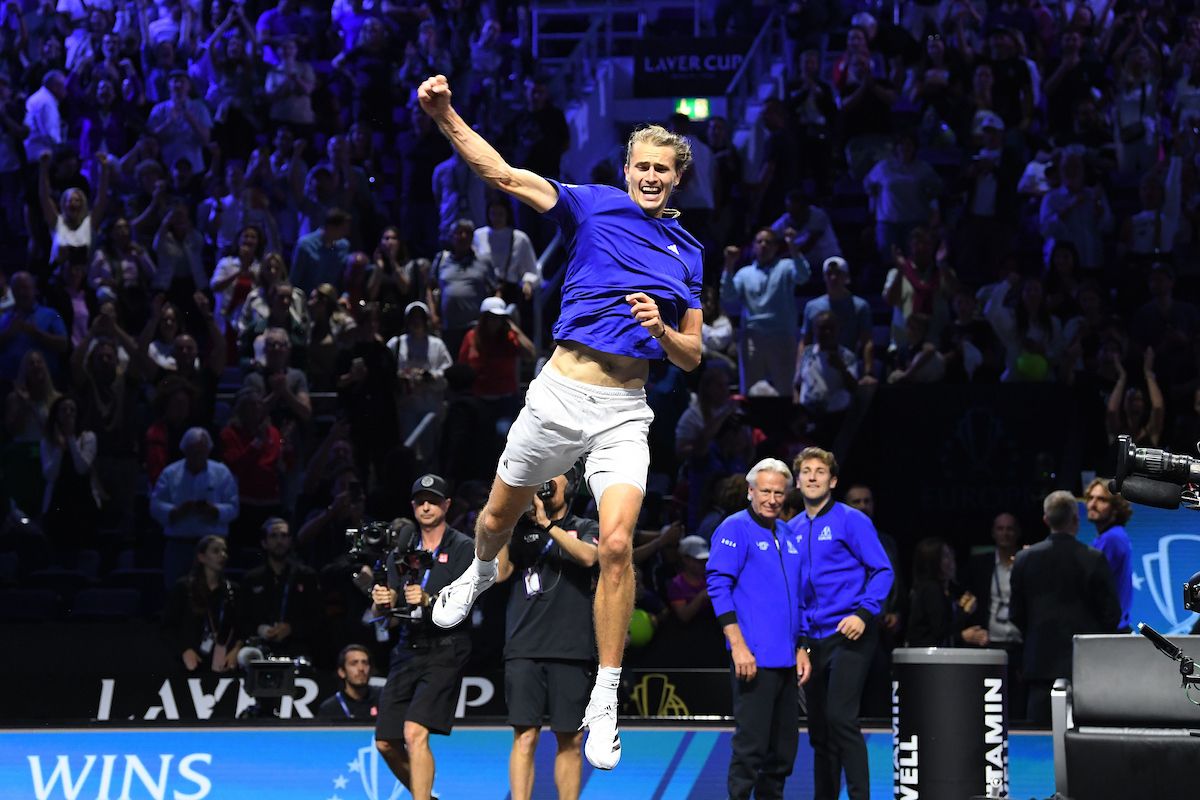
point(641, 628)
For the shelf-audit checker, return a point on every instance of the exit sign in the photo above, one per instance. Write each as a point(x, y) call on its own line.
point(692, 107)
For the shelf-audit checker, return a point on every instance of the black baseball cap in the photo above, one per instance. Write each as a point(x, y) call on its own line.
point(434, 484)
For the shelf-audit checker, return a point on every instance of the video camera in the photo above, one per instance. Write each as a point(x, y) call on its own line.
point(373, 542)
point(268, 675)
point(1158, 478)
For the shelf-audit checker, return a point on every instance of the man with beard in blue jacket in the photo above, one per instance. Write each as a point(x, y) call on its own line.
point(753, 582)
point(845, 579)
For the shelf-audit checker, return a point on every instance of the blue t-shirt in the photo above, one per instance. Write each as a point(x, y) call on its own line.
point(1114, 543)
point(614, 249)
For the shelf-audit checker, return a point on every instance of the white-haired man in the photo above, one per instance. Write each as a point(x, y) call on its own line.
point(631, 295)
point(754, 583)
point(193, 498)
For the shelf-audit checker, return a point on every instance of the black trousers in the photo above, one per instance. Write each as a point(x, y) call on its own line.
point(834, 694)
point(767, 734)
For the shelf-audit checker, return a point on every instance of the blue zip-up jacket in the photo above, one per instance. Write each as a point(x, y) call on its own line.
point(754, 580)
point(844, 569)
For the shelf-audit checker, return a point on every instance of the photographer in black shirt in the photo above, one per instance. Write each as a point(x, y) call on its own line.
point(549, 651)
point(427, 662)
point(357, 700)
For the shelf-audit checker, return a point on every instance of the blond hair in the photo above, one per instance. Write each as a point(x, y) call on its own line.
point(658, 136)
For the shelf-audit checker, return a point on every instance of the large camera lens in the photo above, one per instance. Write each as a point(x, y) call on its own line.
point(1149, 462)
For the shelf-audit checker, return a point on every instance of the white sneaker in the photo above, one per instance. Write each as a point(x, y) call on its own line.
point(455, 600)
point(603, 744)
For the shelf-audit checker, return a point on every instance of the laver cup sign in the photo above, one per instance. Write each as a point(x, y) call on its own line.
point(686, 67)
point(949, 723)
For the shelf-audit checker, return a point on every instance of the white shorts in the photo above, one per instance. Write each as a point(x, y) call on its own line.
point(564, 420)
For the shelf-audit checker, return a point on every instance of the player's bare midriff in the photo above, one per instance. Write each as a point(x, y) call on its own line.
point(587, 365)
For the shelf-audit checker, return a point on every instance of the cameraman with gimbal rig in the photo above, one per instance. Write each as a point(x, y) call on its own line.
point(427, 662)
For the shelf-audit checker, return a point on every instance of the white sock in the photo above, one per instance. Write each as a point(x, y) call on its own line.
point(481, 567)
point(607, 681)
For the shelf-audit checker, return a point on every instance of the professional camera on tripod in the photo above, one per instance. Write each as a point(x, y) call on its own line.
point(1162, 479)
point(374, 542)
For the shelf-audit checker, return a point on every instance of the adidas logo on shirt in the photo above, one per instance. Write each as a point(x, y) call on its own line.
point(826, 535)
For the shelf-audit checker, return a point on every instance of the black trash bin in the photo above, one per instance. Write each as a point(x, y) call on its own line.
point(949, 722)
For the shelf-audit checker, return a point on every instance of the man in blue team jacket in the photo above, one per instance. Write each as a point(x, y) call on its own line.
point(845, 577)
point(754, 584)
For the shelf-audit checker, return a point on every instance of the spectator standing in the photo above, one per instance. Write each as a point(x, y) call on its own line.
point(989, 578)
point(812, 235)
point(179, 253)
point(459, 194)
point(904, 192)
point(1031, 335)
point(72, 226)
point(421, 362)
point(72, 500)
point(394, 280)
point(43, 117)
point(511, 254)
point(1127, 410)
point(826, 376)
point(765, 293)
point(195, 497)
point(1060, 587)
point(461, 279)
point(754, 562)
point(320, 256)
point(28, 325)
point(845, 578)
point(252, 449)
point(852, 312)
point(289, 88)
point(920, 283)
point(1109, 513)
point(1076, 213)
point(181, 124)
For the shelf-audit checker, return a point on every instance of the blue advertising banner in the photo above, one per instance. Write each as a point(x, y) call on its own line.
point(1166, 552)
point(342, 764)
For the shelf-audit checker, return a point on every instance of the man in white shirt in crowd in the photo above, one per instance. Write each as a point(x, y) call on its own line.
point(194, 497)
point(42, 116)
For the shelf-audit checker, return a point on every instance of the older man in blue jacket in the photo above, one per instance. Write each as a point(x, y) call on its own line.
point(845, 579)
point(754, 584)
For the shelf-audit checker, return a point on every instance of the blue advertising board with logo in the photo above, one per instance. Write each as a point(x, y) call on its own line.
point(342, 764)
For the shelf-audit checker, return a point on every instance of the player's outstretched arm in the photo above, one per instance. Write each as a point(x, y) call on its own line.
point(530, 188)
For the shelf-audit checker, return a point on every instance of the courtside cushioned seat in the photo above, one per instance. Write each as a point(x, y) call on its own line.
point(1121, 723)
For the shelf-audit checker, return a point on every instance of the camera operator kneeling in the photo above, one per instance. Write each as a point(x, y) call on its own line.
point(427, 662)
